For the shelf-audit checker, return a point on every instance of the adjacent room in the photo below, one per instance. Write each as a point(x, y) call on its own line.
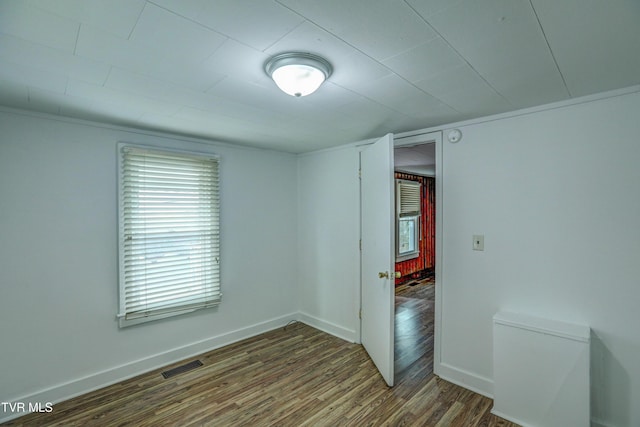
point(292, 212)
point(415, 254)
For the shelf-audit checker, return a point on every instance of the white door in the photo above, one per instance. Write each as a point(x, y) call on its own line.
point(378, 254)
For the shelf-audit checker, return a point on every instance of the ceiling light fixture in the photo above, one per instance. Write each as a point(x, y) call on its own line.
point(298, 73)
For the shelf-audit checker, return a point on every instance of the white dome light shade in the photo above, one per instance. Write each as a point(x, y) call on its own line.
point(298, 74)
point(298, 80)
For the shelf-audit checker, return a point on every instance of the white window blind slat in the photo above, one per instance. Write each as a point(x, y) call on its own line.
point(408, 198)
point(170, 233)
point(165, 277)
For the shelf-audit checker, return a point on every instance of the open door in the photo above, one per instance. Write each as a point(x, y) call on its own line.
point(378, 255)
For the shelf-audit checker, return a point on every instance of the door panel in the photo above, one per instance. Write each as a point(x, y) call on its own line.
point(378, 240)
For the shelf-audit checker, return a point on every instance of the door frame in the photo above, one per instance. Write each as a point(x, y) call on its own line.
point(418, 138)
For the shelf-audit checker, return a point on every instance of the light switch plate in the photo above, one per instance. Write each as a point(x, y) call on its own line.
point(478, 242)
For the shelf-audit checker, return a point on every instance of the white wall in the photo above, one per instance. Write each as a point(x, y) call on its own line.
point(58, 258)
point(328, 234)
point(556, 195)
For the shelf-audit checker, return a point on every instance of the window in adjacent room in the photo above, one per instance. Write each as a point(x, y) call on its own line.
point(169, 233)
point(408, 205)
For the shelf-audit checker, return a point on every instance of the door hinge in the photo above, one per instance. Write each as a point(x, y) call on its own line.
point(359, 173)
point(360, 314)
point(361, 244)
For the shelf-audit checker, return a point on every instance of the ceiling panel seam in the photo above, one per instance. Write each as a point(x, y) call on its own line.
point(458, 53)
point(564, 82)
point(138, 20)
point(286, 34)
point(75, 45)
point(173, 12)
point(371, 58)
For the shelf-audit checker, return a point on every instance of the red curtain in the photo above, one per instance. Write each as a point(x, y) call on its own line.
point(426, 260)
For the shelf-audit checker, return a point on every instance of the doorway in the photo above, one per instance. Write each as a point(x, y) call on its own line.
point(377, 253)
point(415, 160)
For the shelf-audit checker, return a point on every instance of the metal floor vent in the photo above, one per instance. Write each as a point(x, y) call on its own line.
point(183, 368)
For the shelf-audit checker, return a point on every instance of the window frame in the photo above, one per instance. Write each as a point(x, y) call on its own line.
point(121, 315)
point(403, 256)
point(402, 214)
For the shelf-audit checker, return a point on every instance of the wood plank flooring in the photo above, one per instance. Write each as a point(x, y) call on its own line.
point(415, 307)
point(293, 376)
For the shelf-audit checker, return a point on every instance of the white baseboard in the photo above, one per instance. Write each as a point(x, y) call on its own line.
point(89, 383)
point(593, 423)
point(466, 379)
point(508, 418)
point(328, 327)
point(600, 423)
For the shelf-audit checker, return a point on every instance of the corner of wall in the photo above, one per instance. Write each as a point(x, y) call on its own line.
point(328, 327)
point(466, 379)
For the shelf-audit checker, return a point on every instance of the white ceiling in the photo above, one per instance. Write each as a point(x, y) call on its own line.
point(195, 67)
point(418, 160)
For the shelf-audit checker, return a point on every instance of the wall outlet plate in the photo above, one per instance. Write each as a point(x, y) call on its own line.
point(478, 242)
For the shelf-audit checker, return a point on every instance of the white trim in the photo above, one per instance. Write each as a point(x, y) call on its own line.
point(328, 327)
point(357, 278)
point(167, 135)
point(570, 331)
point(415, 139)
point(350, 145)
point(416, 238)
point(104, 378)
point(594, 422)
point(466, 379)
point(508, 418)
point(525, 111)
point(600, 423)
point(437, 327)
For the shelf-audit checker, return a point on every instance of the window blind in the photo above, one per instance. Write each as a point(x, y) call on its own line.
point(169, 234)
point(408, 198)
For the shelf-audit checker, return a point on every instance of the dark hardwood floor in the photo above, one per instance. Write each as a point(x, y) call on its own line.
point(294, 376)
point(415, 305)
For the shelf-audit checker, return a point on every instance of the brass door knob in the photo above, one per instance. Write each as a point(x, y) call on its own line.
point(383, 275)
point(398, 275)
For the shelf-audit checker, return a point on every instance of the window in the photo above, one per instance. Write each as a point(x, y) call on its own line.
point(407, 236)
point(408, 206)
point(169, 236)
